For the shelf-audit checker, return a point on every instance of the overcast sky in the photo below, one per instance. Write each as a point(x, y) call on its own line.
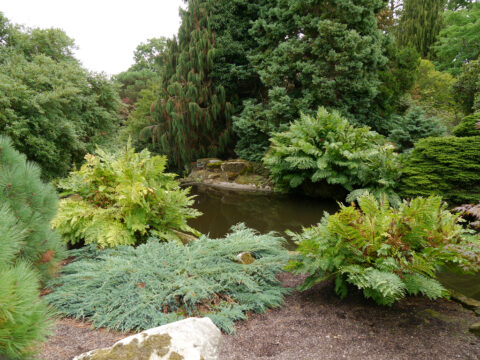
point(105, 31)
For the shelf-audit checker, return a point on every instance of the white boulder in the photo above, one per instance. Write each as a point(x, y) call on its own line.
point(189, 339)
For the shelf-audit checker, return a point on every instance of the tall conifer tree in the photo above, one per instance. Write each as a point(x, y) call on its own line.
point(192, 118)
point(310, 54)
point(420, 23)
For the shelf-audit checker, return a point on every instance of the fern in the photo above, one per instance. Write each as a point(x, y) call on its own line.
point(386, 252)
point(328, 148)
point(122, 199)
point(155, 283)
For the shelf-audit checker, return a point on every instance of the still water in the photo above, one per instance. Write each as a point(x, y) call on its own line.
point(221, 209)
point(264, 212)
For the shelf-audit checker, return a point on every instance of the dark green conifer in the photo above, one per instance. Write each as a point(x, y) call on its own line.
point(310, 54)
point(192, 116)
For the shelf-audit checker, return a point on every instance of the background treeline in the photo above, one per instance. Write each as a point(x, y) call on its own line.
point(53, 110)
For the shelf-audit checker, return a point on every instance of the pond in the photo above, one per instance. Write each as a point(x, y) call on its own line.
point(264, 212)
point(267, 212)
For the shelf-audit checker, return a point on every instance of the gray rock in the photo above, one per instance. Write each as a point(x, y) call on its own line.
point(189, 339)
point(235, 166)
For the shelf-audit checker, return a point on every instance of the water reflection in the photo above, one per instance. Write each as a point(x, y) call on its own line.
point(221, 209)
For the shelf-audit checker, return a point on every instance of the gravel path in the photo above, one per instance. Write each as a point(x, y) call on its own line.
point(318, 325)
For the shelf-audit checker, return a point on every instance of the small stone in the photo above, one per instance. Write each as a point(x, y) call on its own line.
point(475, 328)
point(466, 302)
point(184, 237)
point(245, 258)
point(477, 311)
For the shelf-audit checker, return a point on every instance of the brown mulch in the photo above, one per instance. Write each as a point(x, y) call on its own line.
point(316, 324)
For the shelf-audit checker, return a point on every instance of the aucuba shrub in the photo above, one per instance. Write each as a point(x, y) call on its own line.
point(386, 252)
point(123, 198)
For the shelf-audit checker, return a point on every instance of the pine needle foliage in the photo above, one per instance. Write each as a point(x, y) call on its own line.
point(386, 252)
point(328, 148)
point(32, 204)
point(29, 252)
point(447, 166)
point(23, 316)
point(123, 198)
point(156, 283)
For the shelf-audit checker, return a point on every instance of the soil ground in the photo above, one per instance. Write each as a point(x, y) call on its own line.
point(316, 324)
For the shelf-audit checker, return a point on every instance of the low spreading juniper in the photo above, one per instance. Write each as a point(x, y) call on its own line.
point(155, 283)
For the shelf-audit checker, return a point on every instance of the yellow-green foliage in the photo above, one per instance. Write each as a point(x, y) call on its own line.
point(469, 126)
point(122, 199)
point(386, 252)
point(448, 166)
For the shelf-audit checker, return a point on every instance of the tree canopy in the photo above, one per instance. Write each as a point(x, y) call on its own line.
point(53, 109)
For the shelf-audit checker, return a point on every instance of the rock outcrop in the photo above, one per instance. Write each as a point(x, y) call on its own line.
point(237, 174)
point(189, 339)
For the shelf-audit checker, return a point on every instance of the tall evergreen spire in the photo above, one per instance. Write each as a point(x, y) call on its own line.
point(192, 118)
point(420, 23)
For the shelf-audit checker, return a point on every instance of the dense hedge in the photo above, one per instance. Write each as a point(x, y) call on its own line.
point(468, 126)
point(448, 166)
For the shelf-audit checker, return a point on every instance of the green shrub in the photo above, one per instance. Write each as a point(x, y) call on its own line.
point(33, 204)
point(386, 252)
point(328, 148)
point(23, 316)
point(469, 126)
point(413, 126)
point(155, 283)
point(123, 199)
point(448, 166)
point(29, 252)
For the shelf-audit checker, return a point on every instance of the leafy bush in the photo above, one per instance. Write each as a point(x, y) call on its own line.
point(123, 199)
point(469, 126)
point(448, 167)
point(53, 110)
point(155, 283)
point(386, 252)
point(433, 90)
point(413, 126)
point(467, 87)
point(328, 148)
point(29, 252)
point(457, 42)
point(33, 204)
